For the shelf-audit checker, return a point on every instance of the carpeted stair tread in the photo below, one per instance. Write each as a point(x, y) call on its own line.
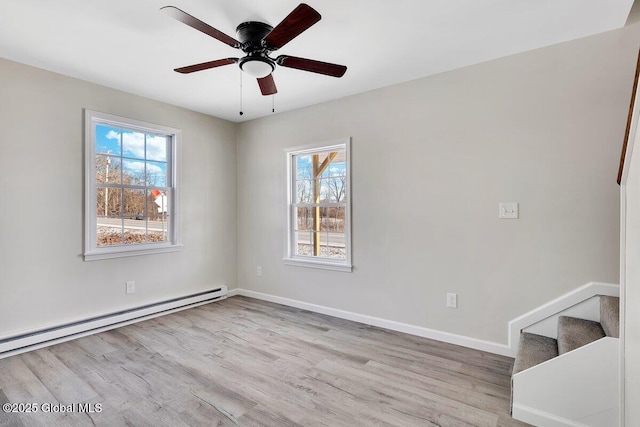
point(610, 315)
point(574, 333)
point(533, 350)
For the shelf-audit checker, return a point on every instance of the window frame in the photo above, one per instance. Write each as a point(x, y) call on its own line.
point(94, 252)
point(290, 257)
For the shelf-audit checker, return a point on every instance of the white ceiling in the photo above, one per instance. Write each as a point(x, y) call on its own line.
point(131, 46)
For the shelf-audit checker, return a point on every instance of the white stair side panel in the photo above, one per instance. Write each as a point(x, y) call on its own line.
point(576, 388)
point(589, 310)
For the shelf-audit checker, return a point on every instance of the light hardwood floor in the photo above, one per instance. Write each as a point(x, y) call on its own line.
point(251, 363)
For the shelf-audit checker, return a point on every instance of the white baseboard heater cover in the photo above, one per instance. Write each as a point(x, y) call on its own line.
point(54, 335)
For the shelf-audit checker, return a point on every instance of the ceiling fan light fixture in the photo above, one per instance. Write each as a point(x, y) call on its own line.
point(257, 67)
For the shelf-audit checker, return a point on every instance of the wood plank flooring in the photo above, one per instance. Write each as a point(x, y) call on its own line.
point(246, 362)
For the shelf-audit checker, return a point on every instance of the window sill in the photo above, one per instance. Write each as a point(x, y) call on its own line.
point(119, 252)
point(323, 265)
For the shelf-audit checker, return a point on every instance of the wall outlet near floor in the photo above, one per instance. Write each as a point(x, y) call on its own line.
point(131, 287)
point(258, 271)
point(452, 300)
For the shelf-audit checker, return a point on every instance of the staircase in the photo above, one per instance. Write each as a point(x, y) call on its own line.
point(570, 379)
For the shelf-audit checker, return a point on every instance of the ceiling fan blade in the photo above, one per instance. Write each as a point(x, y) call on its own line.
point(193, 22)
point(304, 64)
point(301, 18)
point(267, 85)
point(206, 65)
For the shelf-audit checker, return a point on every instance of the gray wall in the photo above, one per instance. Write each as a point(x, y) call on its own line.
point(43, 279)
point(431, 160)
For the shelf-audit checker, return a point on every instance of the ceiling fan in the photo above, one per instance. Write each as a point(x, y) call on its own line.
point(257, 40)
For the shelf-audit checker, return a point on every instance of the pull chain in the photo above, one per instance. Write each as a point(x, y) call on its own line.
point(241, 113)
point(273, 103)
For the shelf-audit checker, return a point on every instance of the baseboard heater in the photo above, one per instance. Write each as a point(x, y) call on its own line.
point(50, 336)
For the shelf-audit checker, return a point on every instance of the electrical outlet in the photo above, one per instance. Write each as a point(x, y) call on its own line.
point(259, 271)
point(131, 287)
point(452, 300)
point(508, 210)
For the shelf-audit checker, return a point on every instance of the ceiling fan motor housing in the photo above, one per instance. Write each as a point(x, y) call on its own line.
point(251, 34)
point(257, 62)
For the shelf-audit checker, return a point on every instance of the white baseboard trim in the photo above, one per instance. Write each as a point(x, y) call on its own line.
point(540, 418)
point(233, 292)
point(33, 340)
point(464, 341)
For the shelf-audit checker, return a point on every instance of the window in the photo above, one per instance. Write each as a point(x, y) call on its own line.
point(130, 188)
point(318, 206)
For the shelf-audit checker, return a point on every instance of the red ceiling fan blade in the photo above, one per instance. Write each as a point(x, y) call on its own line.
point(194, 22)
point(206, 65)
point(304, 64)
point(267, 85)
point(301, 18)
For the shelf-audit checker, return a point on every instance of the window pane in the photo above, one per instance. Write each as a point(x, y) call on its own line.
point(325, 193)
point(109, 216)
point(303, 167)
point(108, 169)
point(157, 174)
point(321, 158)
point(158, 203)
point(132, 144)
point(304, 191)
point(327, 234)
point(333, 219)
point(108, 202)
point(133, 172)
point(303, 243)
point(158, 215)
point(338, 167)
point(331, 180)
point(337, 187)
point(107, 140)
point(110, 234)
point(325, 219)
point(332, 245)
point(304, 219)
point(157, 148)
point(134, 206)
point(133, 216)
point(134, 203)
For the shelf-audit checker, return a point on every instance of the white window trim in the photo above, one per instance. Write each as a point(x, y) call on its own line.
point(306, 261)
point(91, 251)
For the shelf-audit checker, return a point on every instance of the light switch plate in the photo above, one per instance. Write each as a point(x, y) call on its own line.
point(508, 210)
